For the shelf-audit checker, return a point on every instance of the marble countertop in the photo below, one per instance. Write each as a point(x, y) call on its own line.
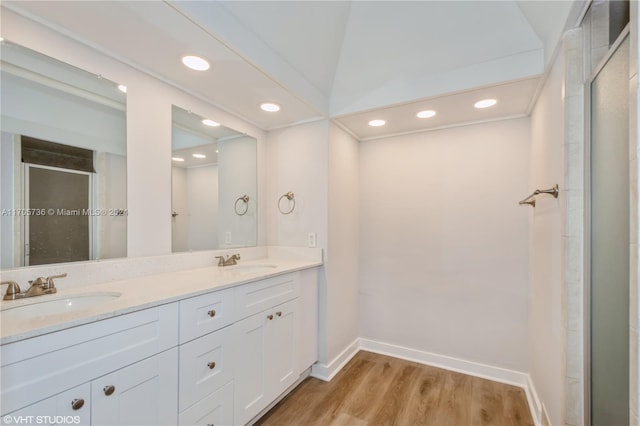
point(141, 293)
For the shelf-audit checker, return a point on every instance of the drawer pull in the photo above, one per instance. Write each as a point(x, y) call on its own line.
point(211, 365)
point(109, 390)
point(212, 313)
point(270, 317)
point(77, 404)
point(279, 313)
point(210, 424)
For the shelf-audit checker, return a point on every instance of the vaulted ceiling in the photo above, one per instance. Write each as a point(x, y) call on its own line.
point(348, 60)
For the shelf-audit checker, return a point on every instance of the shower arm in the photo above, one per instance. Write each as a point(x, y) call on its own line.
point(531, 199)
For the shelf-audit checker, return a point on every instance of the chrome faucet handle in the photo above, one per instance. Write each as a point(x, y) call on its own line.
point(13, 289)
point(220, 260)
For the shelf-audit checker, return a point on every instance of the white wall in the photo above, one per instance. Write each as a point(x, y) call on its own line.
point(340, 317)
point(237, 177)
point(202, 190)
point(444, 243)
point(546, 331)
point(43, 112)
point(180, 205)
point(297, 159)
point(7, 221)
point(112, 192)
point(148, 124)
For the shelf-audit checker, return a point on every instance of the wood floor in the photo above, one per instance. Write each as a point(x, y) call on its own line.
point(374, 389)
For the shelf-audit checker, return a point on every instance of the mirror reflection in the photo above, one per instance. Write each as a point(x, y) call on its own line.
point(62, 162)
point(213, 185)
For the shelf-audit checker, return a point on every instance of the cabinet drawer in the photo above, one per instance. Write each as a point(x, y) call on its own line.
point(203, 314)
point(216, 409)
point(55, 408)
point(261, 295)
point(206, 364)
point(37, 368)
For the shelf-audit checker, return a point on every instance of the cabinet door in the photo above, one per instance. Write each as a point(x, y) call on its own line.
point(144, 393)
point(280, 358)
point(266, 363)
point(250, 384)
point(69, 407)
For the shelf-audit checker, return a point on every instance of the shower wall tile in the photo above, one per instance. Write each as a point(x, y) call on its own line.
point(574, 345)
point(574, 120)
point(574, 175)
point(573, 47)
point(574, 201)
point(633, 15)
point(574, 187)
point(573, 395)
point(633, 372)
point(574, 306)
point(633, 287)
point(573, 260)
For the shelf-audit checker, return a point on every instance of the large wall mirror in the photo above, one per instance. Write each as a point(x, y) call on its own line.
point(62, 162)
point(213, 187)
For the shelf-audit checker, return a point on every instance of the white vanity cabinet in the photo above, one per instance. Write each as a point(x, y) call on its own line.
point(45, 375)
point(266, 340)
point(219, 358)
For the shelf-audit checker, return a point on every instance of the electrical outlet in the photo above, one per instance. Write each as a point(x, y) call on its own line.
point(312, 239)
point(227, 237)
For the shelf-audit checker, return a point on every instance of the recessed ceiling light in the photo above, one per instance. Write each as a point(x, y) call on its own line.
point(178, 159)
point(195, 63)
point(198, 156)
point(122, 88)
point(211, 123)
point(270, 107)
point(426, 114)
point(485, 103)
point(377, 123)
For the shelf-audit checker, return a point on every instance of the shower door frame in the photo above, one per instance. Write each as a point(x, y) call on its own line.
point(26, 243)
point(626, 32)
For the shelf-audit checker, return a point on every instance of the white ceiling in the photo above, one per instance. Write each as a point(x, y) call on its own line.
point(337, 59)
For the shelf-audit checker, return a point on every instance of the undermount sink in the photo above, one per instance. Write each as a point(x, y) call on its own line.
point(44, 307)
point(246, 269)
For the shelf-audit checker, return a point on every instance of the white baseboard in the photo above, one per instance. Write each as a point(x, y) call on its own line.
point(327, 372)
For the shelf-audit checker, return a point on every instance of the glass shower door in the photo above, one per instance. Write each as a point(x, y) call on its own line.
point(610, 241)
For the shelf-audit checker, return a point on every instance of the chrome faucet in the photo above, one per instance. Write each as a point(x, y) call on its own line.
point(230, 261)
point(38, 287)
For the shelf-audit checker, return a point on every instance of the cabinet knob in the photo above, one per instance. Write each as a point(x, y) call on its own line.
point(109, 390)
point(211, 365)
point(279, 313)
point(212, 313)
point(77, 404)
point(270, 317)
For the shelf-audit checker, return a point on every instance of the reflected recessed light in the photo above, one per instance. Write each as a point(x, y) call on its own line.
point(195, 63)
point(122, 88)
point(377, 123)
point(178, 159)
point(217, 151)
point(198, 156)
point(270, 107)
point(426, 114)
point(211, 123)
point(485, 103)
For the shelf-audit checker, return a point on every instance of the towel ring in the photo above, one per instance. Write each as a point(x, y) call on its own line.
point(239, 210)
point(289, 196)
